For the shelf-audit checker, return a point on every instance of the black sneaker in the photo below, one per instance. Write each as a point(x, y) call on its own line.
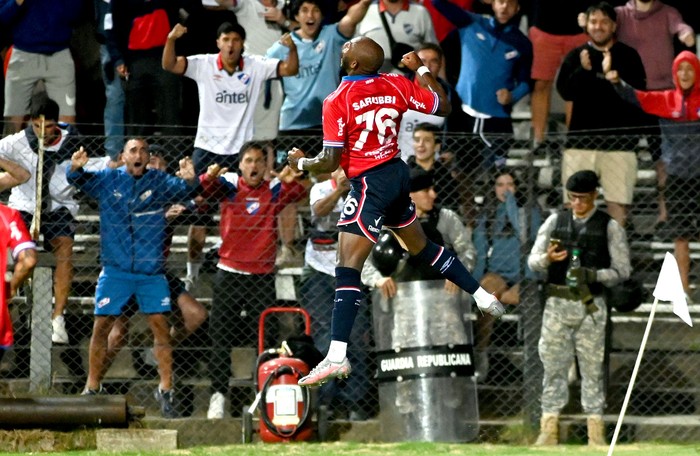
point(165, 399)
point(93, 392)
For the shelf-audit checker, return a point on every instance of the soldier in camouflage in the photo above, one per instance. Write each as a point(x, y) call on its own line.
point(572, 325)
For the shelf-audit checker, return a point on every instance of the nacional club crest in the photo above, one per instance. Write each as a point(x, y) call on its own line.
point(244, 78)
point(320, 47)
point(252, 207)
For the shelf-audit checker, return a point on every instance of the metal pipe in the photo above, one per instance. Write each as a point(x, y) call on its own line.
point(64, 411)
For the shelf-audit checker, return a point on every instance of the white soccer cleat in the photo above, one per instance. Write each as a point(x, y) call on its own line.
point(492, 307)
point(325, 371)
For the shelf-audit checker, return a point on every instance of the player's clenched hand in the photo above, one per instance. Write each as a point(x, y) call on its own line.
point(293, 157)
point(177, 32)
point(186, 171)
point(78, 159)
point(411, 61)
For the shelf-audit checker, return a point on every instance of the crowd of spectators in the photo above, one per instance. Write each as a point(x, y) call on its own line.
point(259, 70)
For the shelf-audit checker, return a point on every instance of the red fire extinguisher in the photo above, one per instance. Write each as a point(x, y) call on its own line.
point(284, 406)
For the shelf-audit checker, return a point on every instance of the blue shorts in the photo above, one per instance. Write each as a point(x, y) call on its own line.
point(379, 197)
point(115, 288)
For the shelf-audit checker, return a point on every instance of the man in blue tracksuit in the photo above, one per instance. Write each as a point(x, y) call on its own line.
point(132, 202)
point(495, 73)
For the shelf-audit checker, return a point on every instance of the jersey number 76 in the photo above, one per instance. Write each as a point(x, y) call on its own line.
point(382, 119)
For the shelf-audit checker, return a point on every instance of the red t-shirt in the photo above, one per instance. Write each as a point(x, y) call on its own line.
point(13, 235)
point(363, 116)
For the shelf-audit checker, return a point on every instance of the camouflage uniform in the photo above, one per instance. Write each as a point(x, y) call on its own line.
point(568, 330)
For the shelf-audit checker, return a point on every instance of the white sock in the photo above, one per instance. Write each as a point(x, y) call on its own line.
point(193, 269)
point(483, 298)
point(337, 351)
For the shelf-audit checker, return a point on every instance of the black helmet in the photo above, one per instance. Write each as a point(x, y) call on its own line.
point(386, 253)
point(626, 296)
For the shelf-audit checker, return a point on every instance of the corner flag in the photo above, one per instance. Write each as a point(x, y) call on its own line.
point(669, 288)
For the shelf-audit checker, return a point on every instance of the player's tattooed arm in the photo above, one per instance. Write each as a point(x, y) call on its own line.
point(326, 161)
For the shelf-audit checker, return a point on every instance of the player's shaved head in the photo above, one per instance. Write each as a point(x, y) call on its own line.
point(362, 55)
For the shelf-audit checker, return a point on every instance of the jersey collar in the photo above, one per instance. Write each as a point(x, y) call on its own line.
point(360, 77)
point(382, 6)
point(220, 63)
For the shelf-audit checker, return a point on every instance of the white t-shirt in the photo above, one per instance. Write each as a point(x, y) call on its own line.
point(323, 260)
point(411, 25)
point(227, 101)
point(16, 148)
point(260, 34)
point(409, 122)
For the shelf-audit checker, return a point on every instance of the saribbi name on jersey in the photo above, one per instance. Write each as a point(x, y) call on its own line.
point(368, 101)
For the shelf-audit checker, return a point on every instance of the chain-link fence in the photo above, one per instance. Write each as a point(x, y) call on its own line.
point(219, 354)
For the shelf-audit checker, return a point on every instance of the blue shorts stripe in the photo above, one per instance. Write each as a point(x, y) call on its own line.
point(403, 225)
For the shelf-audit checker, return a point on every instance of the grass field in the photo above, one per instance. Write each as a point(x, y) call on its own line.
point(409, 449)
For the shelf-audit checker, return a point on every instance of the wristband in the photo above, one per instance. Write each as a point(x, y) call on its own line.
point(422, 70)
point(300, 163)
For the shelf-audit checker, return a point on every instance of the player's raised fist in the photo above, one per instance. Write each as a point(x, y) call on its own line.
point(293, 157)
point(411, 61)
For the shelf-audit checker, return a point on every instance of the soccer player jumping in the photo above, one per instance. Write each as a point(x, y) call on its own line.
point(360, 124)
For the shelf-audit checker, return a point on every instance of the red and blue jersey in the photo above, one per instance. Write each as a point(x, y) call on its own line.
point(248, 224)
point(13, 235)
point(363, 116)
